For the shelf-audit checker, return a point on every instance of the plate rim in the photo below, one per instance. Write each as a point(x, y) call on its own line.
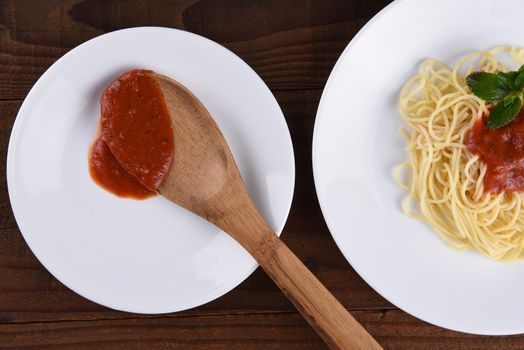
point(14, 135)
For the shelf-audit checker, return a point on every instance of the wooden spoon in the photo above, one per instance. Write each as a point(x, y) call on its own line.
point(204, 179)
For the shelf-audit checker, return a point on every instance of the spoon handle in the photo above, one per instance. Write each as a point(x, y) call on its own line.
point(319, 307)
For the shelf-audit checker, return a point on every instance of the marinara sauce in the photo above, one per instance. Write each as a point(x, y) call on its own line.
point(502, 150)
point(133, 150)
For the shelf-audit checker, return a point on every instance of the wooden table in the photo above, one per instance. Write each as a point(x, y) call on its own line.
point(293, 47)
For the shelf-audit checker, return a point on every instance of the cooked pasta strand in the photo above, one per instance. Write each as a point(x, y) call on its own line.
point(446, 182)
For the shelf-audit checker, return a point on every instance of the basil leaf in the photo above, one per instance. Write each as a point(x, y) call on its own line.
point(509, 99)
point(502, 115)
point(488, 86)
point(519, 80)
point(510, 76)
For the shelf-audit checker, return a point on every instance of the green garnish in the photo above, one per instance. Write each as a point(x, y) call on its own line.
point(506, 90)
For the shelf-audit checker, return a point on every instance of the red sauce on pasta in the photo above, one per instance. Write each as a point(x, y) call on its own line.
point(502, 150)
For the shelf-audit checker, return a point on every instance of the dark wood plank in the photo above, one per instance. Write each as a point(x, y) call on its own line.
point(28, 293)
point(394, 329)
point(270, 331)
point(292, 45)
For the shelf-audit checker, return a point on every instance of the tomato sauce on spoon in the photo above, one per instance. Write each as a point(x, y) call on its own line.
point(133, 150)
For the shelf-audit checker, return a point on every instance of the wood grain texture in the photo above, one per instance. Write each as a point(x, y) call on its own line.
point(292, 45)
point(394, 329)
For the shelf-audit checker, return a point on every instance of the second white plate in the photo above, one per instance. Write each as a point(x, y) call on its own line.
point(357, 144)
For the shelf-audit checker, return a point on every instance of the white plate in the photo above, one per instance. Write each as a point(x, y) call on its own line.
point(356, 145)
point(141, 256)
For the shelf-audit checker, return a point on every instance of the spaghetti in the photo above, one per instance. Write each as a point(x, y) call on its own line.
point(446, 188)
